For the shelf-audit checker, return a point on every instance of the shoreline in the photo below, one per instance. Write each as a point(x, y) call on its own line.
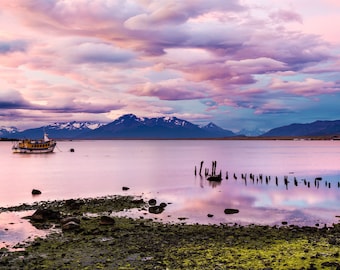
point(105, 241)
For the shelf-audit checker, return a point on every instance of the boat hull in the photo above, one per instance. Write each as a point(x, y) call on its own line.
point(33, 151)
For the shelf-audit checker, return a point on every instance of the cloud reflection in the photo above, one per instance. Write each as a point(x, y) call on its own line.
point(266, 204)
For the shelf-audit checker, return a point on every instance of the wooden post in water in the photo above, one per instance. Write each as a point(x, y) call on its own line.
point(213, 168)
point(201, 167)
point(295, 181)
point(286, 181)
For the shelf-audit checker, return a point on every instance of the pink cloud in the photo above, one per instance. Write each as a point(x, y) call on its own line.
point(169, 90)
point(224, 52)
point(308, 87)
point(286, 16)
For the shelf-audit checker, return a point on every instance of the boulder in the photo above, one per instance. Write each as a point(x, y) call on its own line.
point(163, 205)
point(230, 211)
point(152, 202)
point(106, 220)
point(156, 209)
point(45, 215)
point(70, 226)
point(69, 219)
point(74, 204)
point(36, 192)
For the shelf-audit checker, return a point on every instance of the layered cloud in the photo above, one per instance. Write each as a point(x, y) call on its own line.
point(227, 60)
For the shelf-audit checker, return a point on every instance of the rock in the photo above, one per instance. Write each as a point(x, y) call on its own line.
point(125, 188)
point(36, 192)
point(106, 220)
point(215, 178)
point(74, 204)
point(69, 219)
point(152, 202)
point(70, 226)
point(156, 209)
point(138, 201)
point(284, 222)
point(45, 214)
point(230, 211)
point(162, 205)
point(334, 265)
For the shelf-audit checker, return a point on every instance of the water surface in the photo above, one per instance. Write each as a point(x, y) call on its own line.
point(164, 170)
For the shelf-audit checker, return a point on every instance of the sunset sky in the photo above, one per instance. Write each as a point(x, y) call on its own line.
point(240, 64)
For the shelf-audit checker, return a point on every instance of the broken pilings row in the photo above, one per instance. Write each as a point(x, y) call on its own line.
point(260, 178)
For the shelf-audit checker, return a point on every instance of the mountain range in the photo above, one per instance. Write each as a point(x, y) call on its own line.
point(130, 126)
point(127, 126)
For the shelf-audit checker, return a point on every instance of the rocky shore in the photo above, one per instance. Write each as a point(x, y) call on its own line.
point(88, 235)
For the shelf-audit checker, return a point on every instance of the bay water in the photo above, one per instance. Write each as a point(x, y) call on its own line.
point(165, 170)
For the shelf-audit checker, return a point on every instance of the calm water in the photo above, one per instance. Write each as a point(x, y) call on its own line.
point(165, 170)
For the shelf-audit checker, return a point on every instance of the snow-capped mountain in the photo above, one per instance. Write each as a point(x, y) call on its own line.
point(128, 126)
point(131, 126)
point(7, 131)
point(74, 125)
point(216, 130)
point(250, 133)
point(63, 130)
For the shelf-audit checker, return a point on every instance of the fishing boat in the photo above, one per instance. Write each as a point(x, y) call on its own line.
point(28, 146)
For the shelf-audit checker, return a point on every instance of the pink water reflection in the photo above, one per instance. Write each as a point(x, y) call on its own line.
point(14, 229)
point(165, 170)
point(298, 205)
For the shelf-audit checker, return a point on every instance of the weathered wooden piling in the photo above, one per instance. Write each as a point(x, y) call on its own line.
point(201, 167)
point(286, 181)
point(317, 181)
point(213, 167)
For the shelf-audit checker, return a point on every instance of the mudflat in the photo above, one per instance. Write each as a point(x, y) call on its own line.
point(97, 239)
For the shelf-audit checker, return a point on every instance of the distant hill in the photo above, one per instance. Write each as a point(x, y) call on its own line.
point(317, 128)
point(127, 126)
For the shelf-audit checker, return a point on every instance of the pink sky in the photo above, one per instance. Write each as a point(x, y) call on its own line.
point(239, 64)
